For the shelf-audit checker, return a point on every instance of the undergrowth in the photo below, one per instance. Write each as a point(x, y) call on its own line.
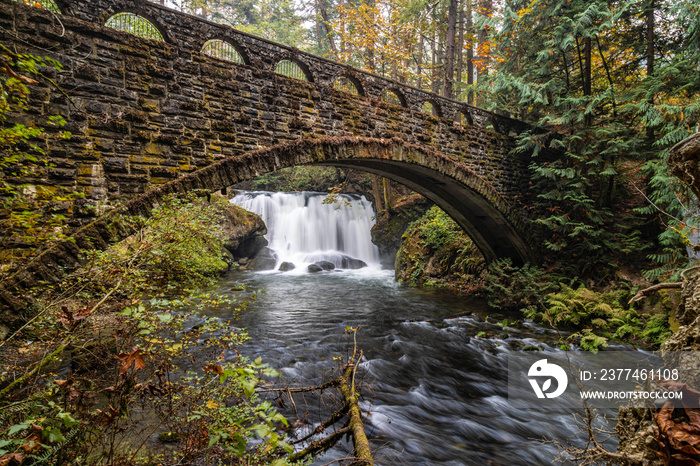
point(120, 355)
point(595, 317)
point(435, 251)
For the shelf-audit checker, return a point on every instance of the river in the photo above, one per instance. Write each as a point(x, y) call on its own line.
point(434, 369)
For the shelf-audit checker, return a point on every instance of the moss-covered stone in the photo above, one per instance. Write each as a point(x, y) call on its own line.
point(244, 230)
point(436, 252)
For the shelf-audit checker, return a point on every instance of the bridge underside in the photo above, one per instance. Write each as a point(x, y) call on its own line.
point(491, 231)
point(492, 223)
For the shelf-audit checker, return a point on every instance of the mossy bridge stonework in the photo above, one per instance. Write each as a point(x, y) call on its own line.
point(150, 117)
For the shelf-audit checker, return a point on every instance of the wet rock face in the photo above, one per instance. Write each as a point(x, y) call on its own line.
point(244, 231)
point(689, 311)
point(687, 337)
point(684, 162)
point(265, 259)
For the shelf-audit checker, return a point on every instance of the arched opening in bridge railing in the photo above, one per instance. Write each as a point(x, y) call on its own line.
point(292, 70)
point(348, 84)
point(49, 5)
point(393, 97)
point(134, 24)
point(430, 108)
point(218, 48)
point(465, 119)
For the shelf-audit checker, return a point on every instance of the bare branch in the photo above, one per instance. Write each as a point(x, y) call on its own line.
point(641, 294)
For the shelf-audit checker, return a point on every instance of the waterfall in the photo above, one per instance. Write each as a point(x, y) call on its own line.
point(301, 229)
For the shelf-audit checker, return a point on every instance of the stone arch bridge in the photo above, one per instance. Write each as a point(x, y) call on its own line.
point(149, 117)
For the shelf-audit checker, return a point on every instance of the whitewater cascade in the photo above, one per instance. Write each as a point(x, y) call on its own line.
point(301, 229)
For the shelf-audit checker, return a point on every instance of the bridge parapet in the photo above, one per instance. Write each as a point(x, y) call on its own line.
point(190, 33)
point(142, 112)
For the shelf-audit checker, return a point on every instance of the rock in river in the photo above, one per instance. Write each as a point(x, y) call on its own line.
point(286, 267)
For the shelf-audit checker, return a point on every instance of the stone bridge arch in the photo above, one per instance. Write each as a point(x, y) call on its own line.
point(475, 205)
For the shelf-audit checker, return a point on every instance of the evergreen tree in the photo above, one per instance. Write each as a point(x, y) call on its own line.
point(579, 68)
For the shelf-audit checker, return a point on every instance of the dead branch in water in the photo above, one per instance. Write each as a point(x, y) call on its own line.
point(353, 426)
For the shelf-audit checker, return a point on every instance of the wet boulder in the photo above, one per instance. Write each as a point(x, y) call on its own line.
point(325, 265)
point(286, 267)
point(347, 262)
point(244, 231)
point(313, 268)
point(265, 259)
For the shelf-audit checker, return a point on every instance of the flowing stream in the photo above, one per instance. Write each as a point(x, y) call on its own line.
point(434, 368)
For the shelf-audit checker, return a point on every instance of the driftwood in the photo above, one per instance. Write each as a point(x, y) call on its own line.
point(350, 411)
point(641, 294)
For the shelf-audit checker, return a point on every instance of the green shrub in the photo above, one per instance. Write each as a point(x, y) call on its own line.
point(435, 251)
point(156, 363)
point(601, 316)
point(179, 246)
point(596, 317)
point(510, 287)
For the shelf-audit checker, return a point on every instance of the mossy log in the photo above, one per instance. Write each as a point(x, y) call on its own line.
point(354, 427)
point(363, 454)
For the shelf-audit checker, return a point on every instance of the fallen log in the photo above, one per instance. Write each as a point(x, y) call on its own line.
point(359, 437)
point(353, 427)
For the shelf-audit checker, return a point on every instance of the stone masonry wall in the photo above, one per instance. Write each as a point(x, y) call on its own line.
point(142, 112)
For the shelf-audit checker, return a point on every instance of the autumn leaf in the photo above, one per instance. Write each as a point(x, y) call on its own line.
point(11, 459)
point(71, 320)
point(32, 446)
point(216, 368)
point(680, 441)
point(106, 417)
point(135, 358)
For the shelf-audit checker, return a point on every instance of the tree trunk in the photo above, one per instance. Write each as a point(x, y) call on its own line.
point(581, 66)
point(587, 89)
point(470, 53)
point(433, 62)
point(650, 38)
point(650, 60)
point(439, 69)
point(342, 29)
point(587, 66)
point(419, 63)
point(450, 49)
point(323, 27)
point(486, 7)
point(377, 194)
point(357, 428)
point(370, 50)
point(460, 51)
point(388, 196)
